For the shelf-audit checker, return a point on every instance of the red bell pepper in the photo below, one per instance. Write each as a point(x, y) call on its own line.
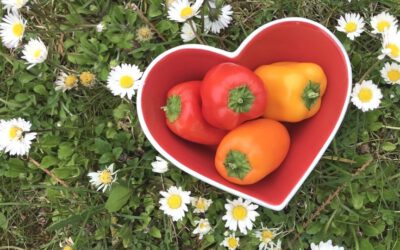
point(184, 117)
point(232, 94)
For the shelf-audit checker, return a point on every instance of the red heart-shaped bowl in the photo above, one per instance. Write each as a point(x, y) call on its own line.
point(289, 39)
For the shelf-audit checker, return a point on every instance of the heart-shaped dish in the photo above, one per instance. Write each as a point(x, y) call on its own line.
point(289, 39)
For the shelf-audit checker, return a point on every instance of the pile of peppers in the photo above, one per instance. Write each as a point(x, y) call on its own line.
point(241, 111)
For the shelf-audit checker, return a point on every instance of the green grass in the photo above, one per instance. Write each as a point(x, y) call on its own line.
point(98, 129)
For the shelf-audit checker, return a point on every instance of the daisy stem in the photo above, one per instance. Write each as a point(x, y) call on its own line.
point(194, 31)
point(336, 158)
point(60, 67)
point(369, 71)
point(391, 127)
point(37, 164)
point(146, 20)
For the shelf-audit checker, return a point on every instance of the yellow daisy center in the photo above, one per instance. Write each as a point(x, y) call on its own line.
point(232, 242)
point(37, 53)
point(394, 75)
point(19, 2)
point(239, 213)
point(394, 49)
point(350, 27)
point(267, 236)
point(105, 177)
point(365, 95)
point(174, 201)
point(126, 82)
point(187, 12)
point(70, 80)
point(144, 33)
point(203, 225)
point(382, 25)
point(18, 29)
point(15, 133)
point(86, 78)
point(67, 248)
point(201, 204)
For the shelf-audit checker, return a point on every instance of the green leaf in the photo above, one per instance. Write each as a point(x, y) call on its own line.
point(119, 196)
point(314, 228)
point(40, 89)
point(155, 9)
point(16, 167)
point(106, 158)
point(373, 231)
point(25, 77)
point(358, 201)
point(21, 97)
point(49, 140)
point(366, 245)
point(121, 111)
point(49, 161)
point(101, 146)
point(3, 221)
point(388, 146)
point(65, 151)
point(155, 232)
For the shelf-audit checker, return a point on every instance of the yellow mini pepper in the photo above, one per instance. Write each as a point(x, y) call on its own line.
point(294, 90)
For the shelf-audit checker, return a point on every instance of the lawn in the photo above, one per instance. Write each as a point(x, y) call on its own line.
point(352, 197)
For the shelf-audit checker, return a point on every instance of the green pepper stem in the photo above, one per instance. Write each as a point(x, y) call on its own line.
point(237, 164)
point(241, 99)
point(311, 94)
point(173, 108)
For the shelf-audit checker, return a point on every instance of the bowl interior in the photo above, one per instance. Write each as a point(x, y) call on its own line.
point(284, 41)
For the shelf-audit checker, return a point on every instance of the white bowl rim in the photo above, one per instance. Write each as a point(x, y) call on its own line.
point(232, 55)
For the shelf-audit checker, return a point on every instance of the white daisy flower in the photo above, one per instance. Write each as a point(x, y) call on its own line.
point(15, 136)
point(231, 242)
point(144, 34)
point(278, 245)
point(187, 32)
point(66, 82)
point(325, 246)
point(174, 202)
point(87, 78)
point(67, 244)
point(215, 22)
point(182, 10)
point(124, 80)
point(168, 3)
point(160, 165)
point(391, 45)
point(34, 52)
point(12, 29)
point(203, 227)
point(201, 204)
point(240, 214)
point(13, 4)
point(103, 179)
point(383, 22)
point(266, 236)
point(391, 73)
point(366, 96)
point(100, 27)
point(352, 24)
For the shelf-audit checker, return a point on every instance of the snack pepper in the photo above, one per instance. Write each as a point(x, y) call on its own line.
point(251, 151)
point(231, 94)
point(295, 90)
point(184, 118)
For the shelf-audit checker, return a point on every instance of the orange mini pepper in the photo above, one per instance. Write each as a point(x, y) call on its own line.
point(252, 150)
point(294, 90)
